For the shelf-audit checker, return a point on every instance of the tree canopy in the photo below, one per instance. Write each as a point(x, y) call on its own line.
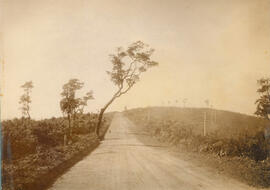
point(128, 64)
point(263, 102)
point(25, 99)
point(70, 104)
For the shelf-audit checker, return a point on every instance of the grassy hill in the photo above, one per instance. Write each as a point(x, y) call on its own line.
point(228, 133)
point(224, 124)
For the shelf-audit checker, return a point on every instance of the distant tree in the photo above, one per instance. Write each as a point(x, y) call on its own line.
point(69, 104)
point(263, 102)
point(25, 99)
point(127, 66)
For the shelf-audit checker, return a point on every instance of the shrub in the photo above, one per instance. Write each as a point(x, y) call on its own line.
point(18, 139)
point(47, 135)
point(22, 137)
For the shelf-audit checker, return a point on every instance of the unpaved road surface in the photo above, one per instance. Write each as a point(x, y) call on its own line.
point(122, 162)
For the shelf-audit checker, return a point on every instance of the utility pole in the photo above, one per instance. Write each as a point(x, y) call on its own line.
point(215, 116)
point(204, 124)
point(212, 115)
point(204, 118)
point(148, 114)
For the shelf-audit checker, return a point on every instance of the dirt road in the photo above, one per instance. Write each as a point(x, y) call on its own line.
point(122, 162)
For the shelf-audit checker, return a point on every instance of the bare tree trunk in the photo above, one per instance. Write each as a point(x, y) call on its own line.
point(116, 95)
point(29, 117)
point(69, 126)
point(100, 116)
point(27, 111)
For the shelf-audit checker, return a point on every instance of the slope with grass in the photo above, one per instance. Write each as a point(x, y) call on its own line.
point(234, 142)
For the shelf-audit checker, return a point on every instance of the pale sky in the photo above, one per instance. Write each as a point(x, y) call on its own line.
point(207, 49)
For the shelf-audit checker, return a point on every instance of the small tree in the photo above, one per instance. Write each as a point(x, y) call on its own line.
point(263, 102)
point(25, 99)
point(127, 66)
point(70, 105)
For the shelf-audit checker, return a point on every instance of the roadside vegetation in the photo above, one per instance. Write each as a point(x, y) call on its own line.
point(35, 152)
point(234, 138)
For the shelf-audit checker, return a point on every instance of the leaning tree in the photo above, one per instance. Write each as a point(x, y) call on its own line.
point(127, 66)
point(263, 102)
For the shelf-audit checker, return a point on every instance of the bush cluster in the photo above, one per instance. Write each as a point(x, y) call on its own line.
point(22, 137)
point(34, 149)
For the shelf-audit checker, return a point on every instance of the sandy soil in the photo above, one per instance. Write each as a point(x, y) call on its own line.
point(122, 162)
